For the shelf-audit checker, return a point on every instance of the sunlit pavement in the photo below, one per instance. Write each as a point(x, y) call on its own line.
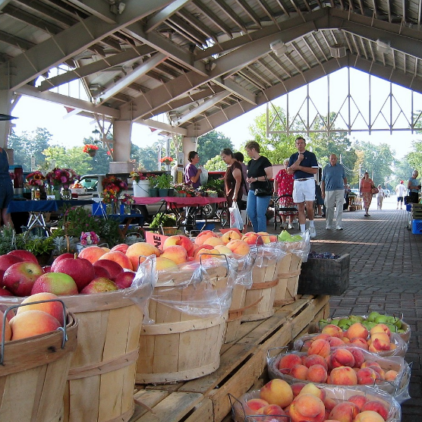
point(385, 275)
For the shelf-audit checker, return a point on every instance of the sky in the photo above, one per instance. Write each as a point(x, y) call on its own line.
point(70, 131)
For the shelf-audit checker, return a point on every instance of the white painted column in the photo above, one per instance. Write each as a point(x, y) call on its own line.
point(5, 108)
point(189, 143)
point(122, 131)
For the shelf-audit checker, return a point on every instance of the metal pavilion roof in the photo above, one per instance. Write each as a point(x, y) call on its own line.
point(203, 62)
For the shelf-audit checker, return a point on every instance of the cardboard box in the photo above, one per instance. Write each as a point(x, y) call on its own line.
point(324, 276)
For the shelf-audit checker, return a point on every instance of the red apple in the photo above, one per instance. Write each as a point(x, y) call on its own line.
point(20, 277)
point(99, 285)
point(58, 283)
point(5, 292)
point(81, 270)
point(24, 255)
point(61, 257)
point(1, 278)
point(7, 261)
point(124, 280)
point(46, 269)
point(101, 272)
point(112, 267)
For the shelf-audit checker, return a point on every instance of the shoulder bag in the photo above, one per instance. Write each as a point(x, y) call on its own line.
point(267, 191)
point(374, 190)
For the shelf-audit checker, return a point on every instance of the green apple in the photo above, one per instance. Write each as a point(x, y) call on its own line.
point(356, 318)
point(284, 236)
point(397, 322)
point(372, 316)
point(382, 319)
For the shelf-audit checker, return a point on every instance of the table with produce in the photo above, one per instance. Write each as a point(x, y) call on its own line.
point(181, 328)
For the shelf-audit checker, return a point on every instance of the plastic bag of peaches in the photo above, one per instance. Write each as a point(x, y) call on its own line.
point(347, 367)
point(278, 401)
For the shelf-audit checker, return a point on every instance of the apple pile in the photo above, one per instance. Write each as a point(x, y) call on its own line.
point(378, 340)
point(306, 402)
point(32, 320)
point(103, 271)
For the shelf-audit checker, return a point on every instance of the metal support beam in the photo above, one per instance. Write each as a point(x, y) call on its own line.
point(163, 126)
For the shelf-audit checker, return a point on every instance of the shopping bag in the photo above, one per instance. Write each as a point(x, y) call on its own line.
point(236, 220)
point(203, 177)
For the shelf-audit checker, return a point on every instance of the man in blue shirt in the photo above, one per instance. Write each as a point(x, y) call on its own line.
point(332, 187)
point(414, 186)
point(303, 165)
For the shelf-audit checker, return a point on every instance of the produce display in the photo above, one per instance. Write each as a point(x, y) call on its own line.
point(311, 403)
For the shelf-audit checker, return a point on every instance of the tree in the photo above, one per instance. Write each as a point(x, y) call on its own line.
point(216, 164)
point(414, 158)
point(147, 158)
point(29, 145)
point(402, 171)
point(73, 158)
point(211, 144)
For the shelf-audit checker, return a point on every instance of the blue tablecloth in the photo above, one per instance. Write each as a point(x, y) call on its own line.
point(45, 206)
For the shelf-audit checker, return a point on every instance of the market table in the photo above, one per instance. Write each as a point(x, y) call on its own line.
point(36, 209)
point(173, 203)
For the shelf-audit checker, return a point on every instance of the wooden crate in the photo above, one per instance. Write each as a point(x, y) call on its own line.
point(242, 366)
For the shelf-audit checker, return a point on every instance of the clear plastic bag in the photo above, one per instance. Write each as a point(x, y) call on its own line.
point(236, 221)
point(300, 248)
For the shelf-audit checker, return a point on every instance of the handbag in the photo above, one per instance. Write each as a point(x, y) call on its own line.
point(267, 191)
point(236, 221)
point(374, 190)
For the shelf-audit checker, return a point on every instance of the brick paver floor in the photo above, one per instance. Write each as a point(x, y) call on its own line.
point(385, 275)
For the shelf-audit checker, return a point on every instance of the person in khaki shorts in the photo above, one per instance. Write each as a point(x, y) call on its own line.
point(303, 165)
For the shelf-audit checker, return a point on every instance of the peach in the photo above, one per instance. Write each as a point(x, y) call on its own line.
point(313, 389)
point(307, 407)
point(344, 375)
point(250, 238)
point(255, 404)
point(120, 258)
point(224, 250)
point(332, 330)
point(203, 236)
point(317, 373)
point(321, 336)
point(369, 416)
point(273, 238)
point(319, 347)
point(297, 388)
point(359, 342)
point(335, 342)
point(344, 412)
point(213, 241)
point(381, 328)
point(238, 247)
point(140, 249)
point(314, 360)
point(105, 249)
point(271, 409)
point(358, 355)
point(230, 235)
point(176, 253)
point(330, 403)
point(380, 342)
point(288, 361)
point(180, 240)
point(264, 237)
point(204, 253)
point(92, 253)
point(7, 329)
point(366, 376)
point(162, 264)
point(376, 406)
point(277, 392)
point(358, 400)
point(55, 309)
point(341, 357)
point(121, 247)
point(299, 371)
point(390, 375)
point(32, 323)
point(356, 330)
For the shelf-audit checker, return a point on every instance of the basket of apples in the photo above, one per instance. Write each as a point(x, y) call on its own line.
point(278, 401)
point(348, 367)
point(38, 338)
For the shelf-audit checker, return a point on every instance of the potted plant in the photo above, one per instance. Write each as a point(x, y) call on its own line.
point(36, 181)
point(90, 149)
point(164, 184)
point(41, 247)
point(166, 160)
point(141, 183)
point(153, 180)
point(179, 190)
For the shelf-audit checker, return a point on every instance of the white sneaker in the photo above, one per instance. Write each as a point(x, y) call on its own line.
point(290, 226)
point(328, 228)
point(312, 231)
point(339, 228)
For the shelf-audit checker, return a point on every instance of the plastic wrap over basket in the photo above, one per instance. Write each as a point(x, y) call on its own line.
point(301, 248)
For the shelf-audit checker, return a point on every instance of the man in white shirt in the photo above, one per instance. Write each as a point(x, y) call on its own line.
point(400, 192)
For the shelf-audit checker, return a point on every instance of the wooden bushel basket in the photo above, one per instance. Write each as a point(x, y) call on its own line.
point(236, 310)
point(283, 273)
point(260, 297)
point(103, 368)
point(33, 376)
point(180, 346)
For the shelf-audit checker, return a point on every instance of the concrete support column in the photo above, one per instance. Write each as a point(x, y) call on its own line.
point(189, 143)
point(122, 131)
point(5, 108)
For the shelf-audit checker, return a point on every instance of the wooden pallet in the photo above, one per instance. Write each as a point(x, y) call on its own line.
point(242, 367)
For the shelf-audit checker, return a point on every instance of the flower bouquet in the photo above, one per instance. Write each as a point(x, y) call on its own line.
point(89, 238)
point(166, 160)
point(112, 186)
point(35, 178)
point(90, 149)
point(127, 201)
point(61, 177)
point(136, 176)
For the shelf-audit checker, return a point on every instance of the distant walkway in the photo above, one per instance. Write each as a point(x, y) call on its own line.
point(385, 275)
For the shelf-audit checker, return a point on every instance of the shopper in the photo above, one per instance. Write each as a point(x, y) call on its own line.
point(332, 185)
point(233, 179)
point(380, 197)
point(414, 186)
point(303, 165)
point(400, 192)
point(260, 190)
point(283, 188)
point(366, 186)
point(192, 173)
point(240, 158)
point(6, 189)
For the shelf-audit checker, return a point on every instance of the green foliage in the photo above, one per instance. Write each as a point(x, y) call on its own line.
point(7, 240)
point(36, 244)
point(211, 144)
point(28, 145)
point(165, 220)
point(216, 185)
point(147, 157)
point(216, 164)
point(414, 158)
point(73, 158)
point(163, 181)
